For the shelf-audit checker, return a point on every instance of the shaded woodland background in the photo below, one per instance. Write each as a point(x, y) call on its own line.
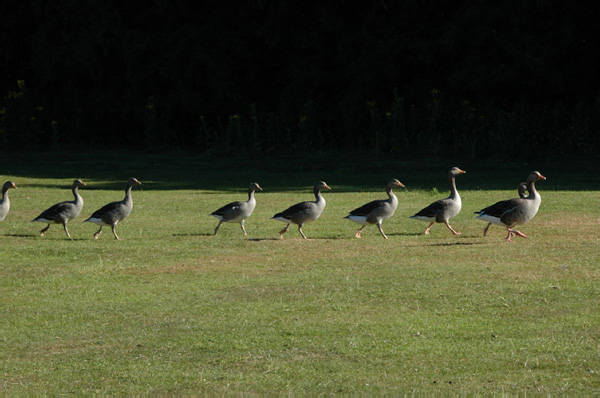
point(219, 77)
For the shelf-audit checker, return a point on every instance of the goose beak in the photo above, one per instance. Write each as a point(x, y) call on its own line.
point(400, 184)
point(462, 171)
point(541, 177)
point(327, 186)
point(14, 186)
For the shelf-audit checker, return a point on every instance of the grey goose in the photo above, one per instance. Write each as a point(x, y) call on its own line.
point(443, 210)
point(63, 212)
point(5, 202)
point(376, 211)
point(113, 213)
point(525, 208)
point(492, 213)
point(303, 212)
point(237, 212)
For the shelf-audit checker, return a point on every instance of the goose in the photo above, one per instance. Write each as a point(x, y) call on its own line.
point(492, 213)
point(303, 212)
point(63, 212)
point(525, 208)
point(376, 211)
point(5, 202)
point(112, 213)
point(237, 212)
point(444, 209)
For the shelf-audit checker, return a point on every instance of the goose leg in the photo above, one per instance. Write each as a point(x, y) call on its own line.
point(381, 230)
point(486, 229)
point(359, 232)
point(450, 228)
point(66, 230)
point(218, 225)
point(283, 231)
point(509, 234)
point(243, 229)
point(115, 232)
point(43, 231)
point(428, 228)
point(302, 233)
point(517, 233)
point(97, 234)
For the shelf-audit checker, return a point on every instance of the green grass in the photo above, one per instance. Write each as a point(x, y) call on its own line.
point(172, 309)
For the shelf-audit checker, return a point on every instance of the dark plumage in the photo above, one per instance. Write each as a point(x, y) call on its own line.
point(493, 213)
point(443, 210)
point(525, 209)
point(376, 211)
point(114, 212)
point(63, 212)
point(237, 211)
point(303, 212)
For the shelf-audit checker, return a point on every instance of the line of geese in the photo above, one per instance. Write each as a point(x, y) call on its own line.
point(508, 213)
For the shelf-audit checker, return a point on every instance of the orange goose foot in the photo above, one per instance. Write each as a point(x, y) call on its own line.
point(428, 228)
point(517, 233)
point(453, 231)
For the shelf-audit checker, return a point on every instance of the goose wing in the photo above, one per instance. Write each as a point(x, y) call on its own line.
point(109, 211)
point(233, 207)
point(366, 209)
point(433, 209)
point(52, 212)
point(499, 208)
point(295, 209)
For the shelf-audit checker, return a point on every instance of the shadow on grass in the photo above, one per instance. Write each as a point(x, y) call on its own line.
point(193, 234)
point(37, 236)
point(188, 170)
point(454, 244)
point(22, 235)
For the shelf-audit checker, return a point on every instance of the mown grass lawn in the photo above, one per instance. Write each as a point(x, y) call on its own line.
point(172, 309)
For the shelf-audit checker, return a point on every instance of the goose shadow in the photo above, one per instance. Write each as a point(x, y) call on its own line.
point(454, 244)
point(21, 235)
point(37, 236)
point(193, 234)
point(405, 234)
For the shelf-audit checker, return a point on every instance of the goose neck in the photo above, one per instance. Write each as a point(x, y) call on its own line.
point(78, 198)
point(391, 194)
point(453, 191)
point(318, 195)
point(533, 194)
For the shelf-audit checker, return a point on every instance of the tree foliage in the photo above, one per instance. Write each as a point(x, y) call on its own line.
point(265, 76)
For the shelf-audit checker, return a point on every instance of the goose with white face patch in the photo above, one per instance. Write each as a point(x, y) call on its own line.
point(63, 212)
point(492, 213)
point(237, 212)
point(444, 209)
point(113, 213)
point(5, 202)
point(303, 212)
point(377, 211)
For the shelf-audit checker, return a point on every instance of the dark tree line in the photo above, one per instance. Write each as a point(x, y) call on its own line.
point(472, 78)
